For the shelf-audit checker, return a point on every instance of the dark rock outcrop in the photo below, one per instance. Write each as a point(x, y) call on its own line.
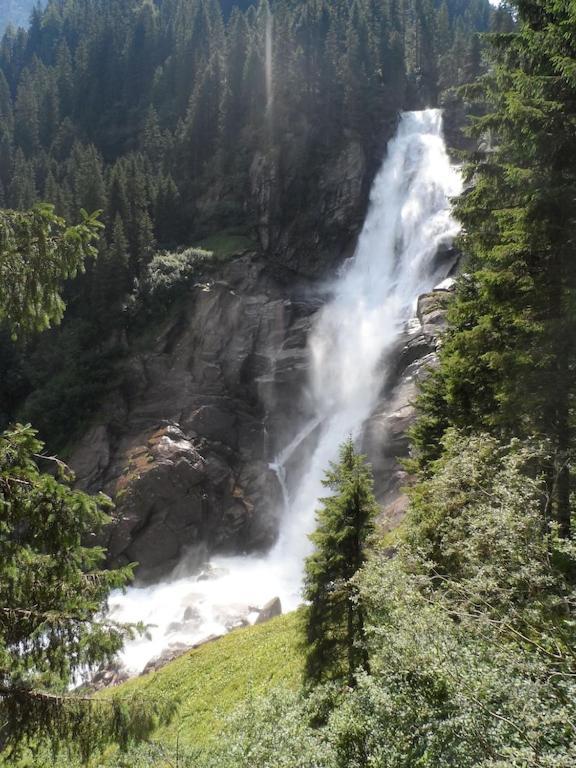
point(185, 443)
point(385, 438)
point(309, 211)
point(271, 610)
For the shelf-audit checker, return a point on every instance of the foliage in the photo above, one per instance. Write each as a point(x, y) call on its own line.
point(52, 592)
point(207, 685)
point(470, 630)
point(471, 625)
point(507, 361)
point(69, 370)
point(334, 616)
point(37, 253)
point(53, 589)
point(277, 731)
point(169, 274)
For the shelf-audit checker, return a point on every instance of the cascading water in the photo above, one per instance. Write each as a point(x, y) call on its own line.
point(408, 221)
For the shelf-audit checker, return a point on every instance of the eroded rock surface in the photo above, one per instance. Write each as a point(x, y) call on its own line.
point(185, 443)
point(386, 432)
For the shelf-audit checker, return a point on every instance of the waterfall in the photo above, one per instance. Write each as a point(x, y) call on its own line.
point(409, 219)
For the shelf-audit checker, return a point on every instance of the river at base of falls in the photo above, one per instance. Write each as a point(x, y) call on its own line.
point(408, 221)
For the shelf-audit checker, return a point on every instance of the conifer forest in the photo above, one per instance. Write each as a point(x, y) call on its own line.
point(287, 383)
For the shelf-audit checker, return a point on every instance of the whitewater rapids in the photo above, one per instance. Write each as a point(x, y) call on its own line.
point(408, 221)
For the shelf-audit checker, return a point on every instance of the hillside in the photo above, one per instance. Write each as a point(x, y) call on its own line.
point(207, 685)
point(290, 285)
point(210, 682)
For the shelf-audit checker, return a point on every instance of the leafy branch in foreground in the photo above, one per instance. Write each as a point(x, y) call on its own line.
point(38, 252)
point(52, 595)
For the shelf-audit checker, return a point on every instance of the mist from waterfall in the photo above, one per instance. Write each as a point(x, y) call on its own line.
point(374, 296)
point(268, 66)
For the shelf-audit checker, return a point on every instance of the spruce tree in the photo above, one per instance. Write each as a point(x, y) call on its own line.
point(508, 360)
point(334, 617)
point(53, 589)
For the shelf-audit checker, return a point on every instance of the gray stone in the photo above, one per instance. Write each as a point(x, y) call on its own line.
point(272, 609)
point(171, 653)
point(185, 441)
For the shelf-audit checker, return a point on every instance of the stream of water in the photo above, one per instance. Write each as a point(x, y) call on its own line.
point(409, 220)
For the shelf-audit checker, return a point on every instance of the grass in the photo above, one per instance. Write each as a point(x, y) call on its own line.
point(207, 685)
point(210, 682)
point(227, 243)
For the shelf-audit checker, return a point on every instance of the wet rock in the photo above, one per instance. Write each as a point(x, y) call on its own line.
point(432, 308)
point(232, 616)
point(191, 615)
point(206, 641)
point(385, 438)
point(210, 573)
point(162, 502)
point(171, 653)
point(107, 677)
point(272, 609)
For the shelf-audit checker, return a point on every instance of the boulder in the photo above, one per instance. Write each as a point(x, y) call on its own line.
point(431, 312)
point(107, 677)
point(171, 653)
point(272, 609)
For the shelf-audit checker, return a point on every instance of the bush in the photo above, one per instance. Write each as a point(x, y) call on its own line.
point(471, 637)
point(170, 274)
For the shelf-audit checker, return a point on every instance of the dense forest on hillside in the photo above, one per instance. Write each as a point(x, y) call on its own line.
point(179, 134)
point(161, 116)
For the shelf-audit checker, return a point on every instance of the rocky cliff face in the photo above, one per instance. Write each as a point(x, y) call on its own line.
point(185, 443)
point(309, 208)
point(385, 438)
point(207, 399)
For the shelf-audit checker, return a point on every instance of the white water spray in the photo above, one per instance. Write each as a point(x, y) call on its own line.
point(408, 221)
point(268, 63)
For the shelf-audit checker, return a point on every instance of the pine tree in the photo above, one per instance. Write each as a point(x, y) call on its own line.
point(334, 618)
point(52, 590)
point(26, 119)
point(22, 188)
point(508, 361)
point(6, 109)
point(52, 586)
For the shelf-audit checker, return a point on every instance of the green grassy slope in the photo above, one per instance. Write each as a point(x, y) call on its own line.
point(210, 682)
point(228, 243)
point(207, 684)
